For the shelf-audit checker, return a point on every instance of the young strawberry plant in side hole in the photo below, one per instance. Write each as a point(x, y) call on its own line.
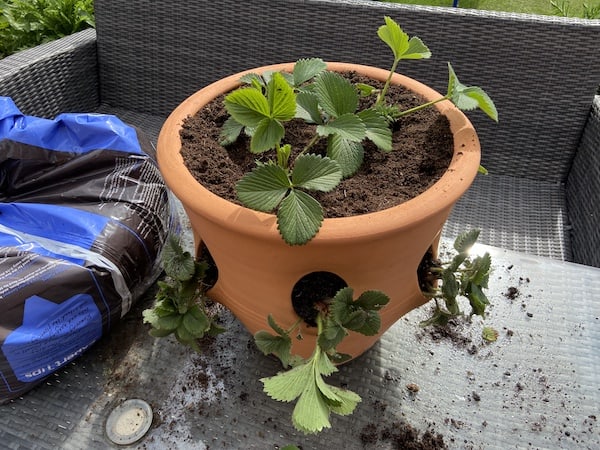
point(180, 307)
point(304, 382)
point(462, 276)
point(330, 102)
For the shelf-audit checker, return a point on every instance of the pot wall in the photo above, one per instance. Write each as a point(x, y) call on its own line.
point(382, 250)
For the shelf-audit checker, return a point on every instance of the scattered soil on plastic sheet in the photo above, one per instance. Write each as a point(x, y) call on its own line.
point(422, 151)
point(423, 148)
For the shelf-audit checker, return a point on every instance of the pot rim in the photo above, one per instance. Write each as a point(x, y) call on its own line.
point(444, 193)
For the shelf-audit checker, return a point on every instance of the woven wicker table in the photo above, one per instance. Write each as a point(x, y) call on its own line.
point(536, 386)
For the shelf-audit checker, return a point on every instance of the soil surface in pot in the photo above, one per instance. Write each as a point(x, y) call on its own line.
point(422, 142)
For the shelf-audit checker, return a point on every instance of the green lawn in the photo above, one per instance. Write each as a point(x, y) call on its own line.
point(575, 8)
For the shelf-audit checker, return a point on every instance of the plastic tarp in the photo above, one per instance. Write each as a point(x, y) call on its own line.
point(84, 214)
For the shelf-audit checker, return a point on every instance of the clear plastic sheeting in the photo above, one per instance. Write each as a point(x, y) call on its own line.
point(84, 214)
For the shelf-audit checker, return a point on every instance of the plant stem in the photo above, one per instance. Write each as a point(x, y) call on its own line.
point(294, 326)
point(383, 92)
point(312, 142)
point(423, 106)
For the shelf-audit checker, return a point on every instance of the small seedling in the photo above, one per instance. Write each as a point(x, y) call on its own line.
point(462, 276)
point(180, 307)
point(304, 382)
point(261, 108)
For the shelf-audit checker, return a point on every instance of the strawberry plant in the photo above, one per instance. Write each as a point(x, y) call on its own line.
point(262, 106)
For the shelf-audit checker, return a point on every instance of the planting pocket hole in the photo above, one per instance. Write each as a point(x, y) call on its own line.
point(427, 280)
point(312, 291)
point(212, 274)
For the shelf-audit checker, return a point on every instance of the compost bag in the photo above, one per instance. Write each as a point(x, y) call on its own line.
point(84, 214)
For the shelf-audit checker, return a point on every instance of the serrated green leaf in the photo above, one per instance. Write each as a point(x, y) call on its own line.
point(349, 155)
point(377, 129)
point(164, 308)
point(464, 241)
point(333, 333)
point(264, 188)
point(266, 136)
point(469, 97)
point(394, 37)
point(150, 316)
point(155, 332)
point(168, 322)
point(452, 305)
point(215, 329)
point(355, 320)
point(177, 263)
point(323, 364)
point(316, 172)
point(307, 69)
point(365, 89)
point(252, 79)
point(477, 299)
point(336, 94)
point(247, 106)
point(311, 413)
point(196, 322)
point(289, 385)
point(348, 401)
point(299, 217)
point(371, 325)
point(342, 304)
point(275, 326)
point(339, 358)
point(182, 334)
point(230, 131)
point(482, 266)
point(308, 107)
point(450, 286)
point(416, 49)
point(280, 345)
point(348, 126)
point(489, 334)
point(372, 300)
point(281, 98)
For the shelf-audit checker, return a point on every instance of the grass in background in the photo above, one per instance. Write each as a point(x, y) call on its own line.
point(27, 23)
point(572, 8)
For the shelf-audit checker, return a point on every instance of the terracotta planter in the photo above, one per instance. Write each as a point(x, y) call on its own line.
point(381, 250)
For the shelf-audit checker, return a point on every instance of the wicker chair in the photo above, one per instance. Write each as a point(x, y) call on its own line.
point(146, 57)
point(542, 195)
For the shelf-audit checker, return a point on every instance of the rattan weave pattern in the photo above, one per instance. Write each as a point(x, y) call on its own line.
point(583, 198)
point(523, 215)
point(185, 48)
point(60, 76)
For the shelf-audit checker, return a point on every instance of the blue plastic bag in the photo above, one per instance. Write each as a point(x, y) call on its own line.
point(84, 214)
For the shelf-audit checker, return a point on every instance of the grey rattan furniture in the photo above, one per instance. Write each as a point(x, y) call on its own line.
point(541, 198)
point(149, 55)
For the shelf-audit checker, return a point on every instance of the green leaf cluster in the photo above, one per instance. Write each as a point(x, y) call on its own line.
point(304, 382)
point(180, 303)
point(462, 276)
point(27, 23)
point(263, 105)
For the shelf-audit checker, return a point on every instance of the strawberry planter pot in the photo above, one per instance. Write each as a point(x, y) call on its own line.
point(382, 250)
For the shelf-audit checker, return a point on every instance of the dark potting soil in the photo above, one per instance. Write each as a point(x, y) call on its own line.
point(422, 150)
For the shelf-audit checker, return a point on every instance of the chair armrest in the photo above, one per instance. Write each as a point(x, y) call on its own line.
point(583, 193)
point(55, 77)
